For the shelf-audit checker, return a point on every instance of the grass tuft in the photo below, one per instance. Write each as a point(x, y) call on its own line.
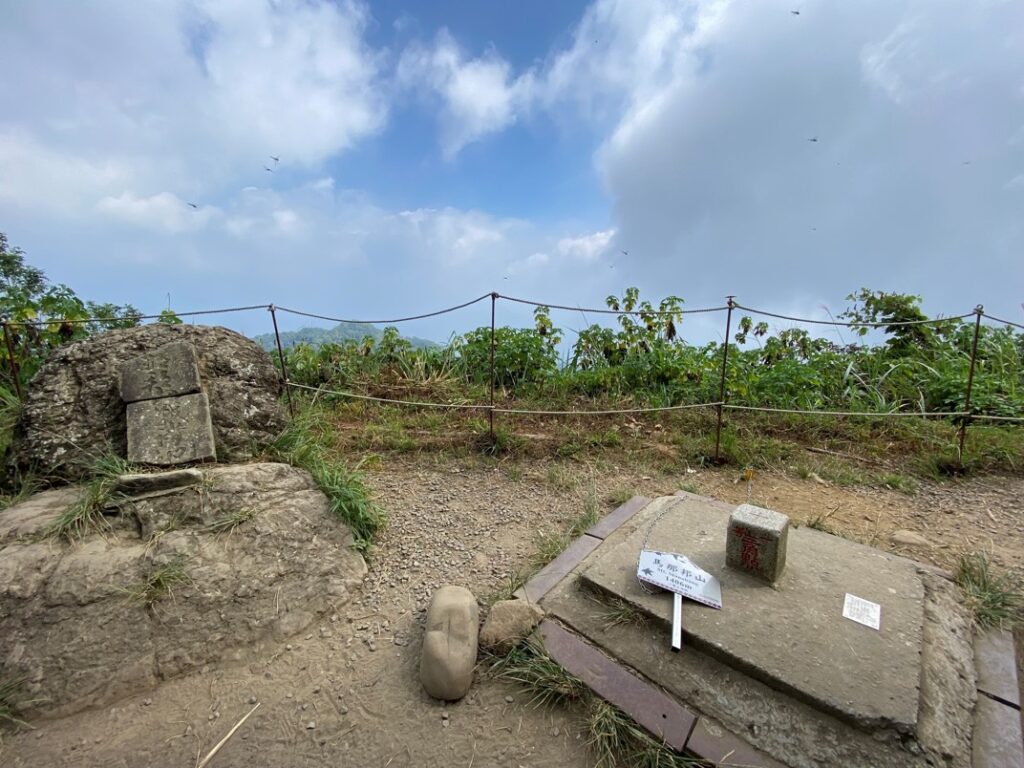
point(550, 544)
point(86, 514)
point(530, 666)
point(304, 444)
point(229, 522)
point(996, 601)
point(613, 737)
point(10, 690)
point(161, 581)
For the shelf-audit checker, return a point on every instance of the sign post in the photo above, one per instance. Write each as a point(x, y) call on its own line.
point(679, 575)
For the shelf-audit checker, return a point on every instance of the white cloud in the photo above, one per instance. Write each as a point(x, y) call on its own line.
point(163, 212)
point(179, 98)
point(477, 95)
point(586, 247)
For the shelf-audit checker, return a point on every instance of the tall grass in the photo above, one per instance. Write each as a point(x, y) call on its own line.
point(306, 444)
point(995, 599)
point(86, 514)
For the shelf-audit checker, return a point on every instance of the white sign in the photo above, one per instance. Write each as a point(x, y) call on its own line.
point(678, 574)
point(862, 611)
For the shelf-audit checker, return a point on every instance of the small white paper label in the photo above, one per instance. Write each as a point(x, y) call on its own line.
point(862, 611)
point(678, 574)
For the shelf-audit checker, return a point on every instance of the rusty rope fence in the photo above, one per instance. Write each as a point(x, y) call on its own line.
point(963, 417)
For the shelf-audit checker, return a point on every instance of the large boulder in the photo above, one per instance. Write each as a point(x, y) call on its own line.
point(187, 575)
point(74, 411)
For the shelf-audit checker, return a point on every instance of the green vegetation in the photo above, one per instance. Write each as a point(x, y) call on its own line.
point(613, 737)
point(996, 600)
point(161, 581)
point(26, 295)
point(550, 544)
point(306, 444)
point(340, 334)
point(10, 690)
point(229, 522)
point(86, 514)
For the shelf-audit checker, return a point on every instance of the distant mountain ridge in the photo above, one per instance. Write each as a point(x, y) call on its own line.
point(339, 334)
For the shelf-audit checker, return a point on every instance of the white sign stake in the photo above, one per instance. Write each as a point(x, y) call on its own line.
point(677, 622)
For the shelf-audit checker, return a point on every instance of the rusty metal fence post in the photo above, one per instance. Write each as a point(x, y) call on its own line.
point(280, 356)
point(490, 411)
point(15, 373)
point(721, 388)
point(978, 312)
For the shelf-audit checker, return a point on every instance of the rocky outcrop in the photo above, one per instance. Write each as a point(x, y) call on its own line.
point(74, 412)
point(188, 575)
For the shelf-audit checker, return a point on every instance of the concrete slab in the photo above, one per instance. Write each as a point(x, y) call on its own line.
point(996, 665)
point(997, 736)
point(792, 636)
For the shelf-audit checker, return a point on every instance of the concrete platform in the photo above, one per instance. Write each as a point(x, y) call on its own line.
point(915, 707)
point(793, 637)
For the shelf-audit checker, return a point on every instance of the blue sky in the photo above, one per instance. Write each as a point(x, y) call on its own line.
point(431, 152)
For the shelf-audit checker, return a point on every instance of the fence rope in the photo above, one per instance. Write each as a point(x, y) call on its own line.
point(893, 324)
point(384, 322)
point(607, 412)
point(993, 417)
point(354, 396)
point(868, 414)
point(55, 321)
point(607, 311)
point(1005, 322)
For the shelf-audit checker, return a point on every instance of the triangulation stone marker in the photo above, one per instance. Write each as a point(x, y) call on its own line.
point(756, 541)
point(792, 636)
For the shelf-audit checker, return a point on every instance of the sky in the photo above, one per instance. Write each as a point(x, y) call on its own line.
point(381, 159)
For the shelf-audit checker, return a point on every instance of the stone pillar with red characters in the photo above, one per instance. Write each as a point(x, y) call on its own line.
point(756, 542)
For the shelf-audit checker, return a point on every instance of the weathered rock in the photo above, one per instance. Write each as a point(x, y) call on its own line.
point(508, 624)
point(167, 371)
point(34, 515)
point(260, 559)
point(145, 483)
point(910, 539)
point(73, 410)
point(171, 430)
point(450, 643)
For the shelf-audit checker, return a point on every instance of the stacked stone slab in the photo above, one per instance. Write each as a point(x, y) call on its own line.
point(168, 413)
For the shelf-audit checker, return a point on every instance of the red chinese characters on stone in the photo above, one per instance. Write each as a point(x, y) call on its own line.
point(750, 548)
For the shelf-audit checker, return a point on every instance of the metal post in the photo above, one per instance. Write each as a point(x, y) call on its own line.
point(490, 412)
point(721, 388)
point(280, 355)
point(15, 374)
point(978, 312)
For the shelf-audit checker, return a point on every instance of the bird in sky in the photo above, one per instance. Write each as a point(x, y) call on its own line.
point(275, 159)
point(813, 139)
point(193, 205)
point(625, 253)
point(795, 13)
point(268, 170)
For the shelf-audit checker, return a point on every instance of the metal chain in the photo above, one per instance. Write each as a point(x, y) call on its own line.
point(647, 539)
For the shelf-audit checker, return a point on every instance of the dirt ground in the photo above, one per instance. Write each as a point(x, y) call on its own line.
point(345, 692)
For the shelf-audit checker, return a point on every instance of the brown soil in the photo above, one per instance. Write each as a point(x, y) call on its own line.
point(345, 692)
